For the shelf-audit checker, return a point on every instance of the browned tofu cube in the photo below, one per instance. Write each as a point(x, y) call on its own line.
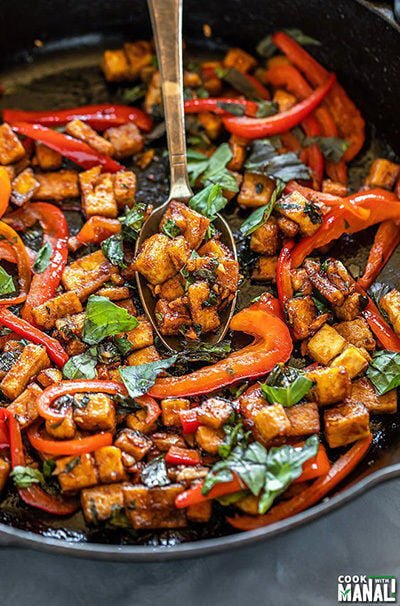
point(179, 252)
point(203, 314)
point(115, 65)
point(288, 227)
point(325, 344)
point(114, 293)
point(75, 347)
point(134, 443)
point(200, 513)
point(143, 356)
point(84, 132)
point(125, 139)
point(351, 308)
point(239, 59)
point(109, 464)
point(5, 469)
point(100, 502)
point(345, 424)
point(124, 188)
point(57, 186)
point(334, 188)
point(48, 376)
point(128, 305)
point(211, 123)
point(97, 193)
point(172, 316)
point(238, 154)
point(300, 282)
point(11, 148)
point(47, 158)
point(284, 99)
point(390, 303)
point(265, 240)
point(296, 207)
point(353, 359)
point(193, 226)
point(139, 54)
point(358, 333)
point(387, 403)
point(227, 272)
point(215, 248)
point(331, 385)
point(87, 274)
point(214, 412)
point(76, 472)
point(256, 190)
point(382, 173)
point(209, 439)
point(153, 261)
point(170, 411)
point(304, 419)
point(24, 407)
point(271, 421)
point(33, 359)
point(363, 392)
point(149, 508)
point(265, 269)
point(137, 421)
point(171, 289)
point(163, 441)
point(141, 336)
point(23, 187)
point(67, 303)
point(64, 430)
point(301, 313)
point(95, 412)
point(71, 326)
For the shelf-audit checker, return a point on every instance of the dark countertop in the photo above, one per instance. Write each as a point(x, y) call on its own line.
point(300, 567)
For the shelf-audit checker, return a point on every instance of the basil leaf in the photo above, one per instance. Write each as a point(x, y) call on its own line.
point(235, 435)
point(224, 179)
point(239, 81)
point(123, 344)
point(133, 220)
point(43, 258)
point(209, 201)
point(113, 250)
point(82, 366)
point(333, 148)
point(289, 395)
point(139, 379)
point(384, 371)
point(266, 48)
point(212, 170)
point(26, 476)
point(6, 282)
point(261, 215)
point(267, 108)
point(265, 160)
point(218, 161)
point(197, 351)
point(131, 95)
point(197, 163)
point(171, 228)
point(48, 467)
point(237, 109)
point(155, 473)
point(104, 318)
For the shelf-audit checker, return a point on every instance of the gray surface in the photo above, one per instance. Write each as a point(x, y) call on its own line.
point(297, 568)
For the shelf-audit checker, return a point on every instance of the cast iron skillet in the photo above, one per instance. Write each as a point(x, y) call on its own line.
point(50, 53)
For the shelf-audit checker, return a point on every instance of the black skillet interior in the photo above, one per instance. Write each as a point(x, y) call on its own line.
point(51, 51)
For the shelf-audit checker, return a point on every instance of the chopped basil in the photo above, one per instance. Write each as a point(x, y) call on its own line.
point(288, 395)
point(261, 215)
point(239, 81)
point(6, 282)
point(267, 108)
point(384, 371)
point(266, 48)
point(26, 476)
point(197, 163)
point(48, 467)
point(123, 344)
point(212, 170)
point(206, 273)
point(139, 379)
point(131, 95)
point(43, 258)
point(237, 109)
point(209, 201)
point(264, 159)
point(104, 318)
point(82, 366)
point(171, 228)
point(113, 250)
point(132, 221)
point(155, 473)
point(234, 435)
point(71, 464)
point(333, 148)
point(198, 351)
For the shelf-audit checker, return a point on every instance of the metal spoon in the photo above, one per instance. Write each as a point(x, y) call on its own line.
point(166, 18)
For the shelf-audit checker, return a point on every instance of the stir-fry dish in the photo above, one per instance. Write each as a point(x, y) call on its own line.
point(95, 413)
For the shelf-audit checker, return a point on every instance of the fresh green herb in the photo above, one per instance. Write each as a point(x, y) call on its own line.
point(212, 300)
point(212, 170)
point(103, 319)
point(220, 72)
point(266, 108)
point(198, 351)
point(384, 371)
point(139, 379)
point(123, 344)
point(124, 405)
point(155, 473)
point(119, 518)
point(333, 148)
point(239, 81)
point(237, 109)
point(82, 403)
point(82, 366)
point(261, 215)
point(171, 228)
point(113, 250)
point(265, 160)
point(376, 291)
point(289, 395)
point(235, 435)
point(266, 48)
point(132, 221)
point(6, 282)
point(209, 201)
point(206, 272)
point(321, 305)
point(202, 93)
point(48, 468)
point(26, 476)
point(197, 164)
point(43, 258)
point(131, 95)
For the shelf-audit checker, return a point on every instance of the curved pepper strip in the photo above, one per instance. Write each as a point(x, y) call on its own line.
point(7, 252)
point(21, 327)
point(272, 344)
point(311, 495)
point(283, 278)
point(73, 149)
point(328, 199)
point(256, 128)
point(194, 106)
point(5, 190)
point(55, 228)
point(315, 157)
point(100, 117)
point(348, 119)
point(381, 329)
point(382, 205)
point(386, 240)
point(34, 495)
point(68, 447)
point(23, 264)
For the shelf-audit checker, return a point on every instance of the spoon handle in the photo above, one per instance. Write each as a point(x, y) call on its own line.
point(166, 18)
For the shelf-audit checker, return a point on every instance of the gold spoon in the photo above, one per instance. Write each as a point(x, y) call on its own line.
point(166, 18)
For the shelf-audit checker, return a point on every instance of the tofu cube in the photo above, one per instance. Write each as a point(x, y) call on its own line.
point(49, 376)
point(57, 186)
point(95, 412)
point(334, 188)
point(23, 187)
point(24, 407)
point(203, 315)
point(134, 443)
point(301, 313)
point(143, 356)
point(345, 424)
point(331, 385)
point(82, 131)
point(170, 409)
point(215, 248)
point(256, 190)
point(32, 360)
point(137, 421)
point(76, 472)
point(238, 59)
point(71, 326)
point(171, 289)
point(139, 54)
point(271, 421)
point(109, 464)
point(115, 65)
point(209, 439)
point(227, 272)
point(87, 274)
point(64, 430)
point(126, 140)
point(382, 173)
point(152, 508)
point(141, 336)
point(363, 392)
point(353, 359)
point(325, 344)
point(67, 303)
point(284, 99)
point(124, 188)
point(48, 159)
point(214, 412)
point(193, 226)
point(358, 333)
point(303, 419)
point(296, 207)
point(390, 303)
point(200, 513)
point(265, 269)
point(172, 316)
point(5, 469)
point(265, 240)
point(153, 260)
point(100, 502)
point(11, 148)
point(179, 252)
point(98, 193)
point(211, 123)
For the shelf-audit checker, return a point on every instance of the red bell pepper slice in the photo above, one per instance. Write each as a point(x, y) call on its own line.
point(68, 447)
point(189, 420)
point(33, 495)
point(96, 229)
point(269, 303)
point(153, 409)
point(55, 228)
point(311, 495)
point(315, 467)
point(283, 278)
point(20, 326)
point(182, 456)
point(381, 329)
point(194, 496)
point(386, 240)
point(4, 439)
point(315, 157)
point(5, 190)
point(272, 344)
point(100, 117)
point(256, 128)
point(73, 149)
point(12, 239)
point(194, 106)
